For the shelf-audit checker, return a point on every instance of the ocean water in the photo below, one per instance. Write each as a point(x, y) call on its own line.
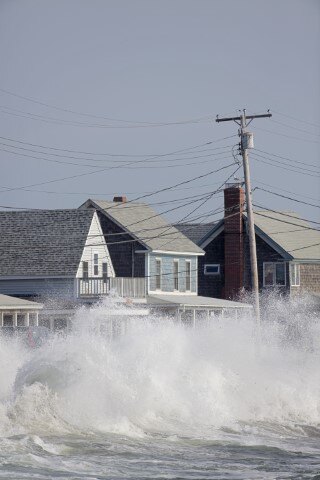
point(165, 401)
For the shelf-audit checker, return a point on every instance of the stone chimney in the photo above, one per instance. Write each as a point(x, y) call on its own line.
point(234, 199)
point(121, 199)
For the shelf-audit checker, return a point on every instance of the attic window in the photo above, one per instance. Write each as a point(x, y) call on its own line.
point(212, 269)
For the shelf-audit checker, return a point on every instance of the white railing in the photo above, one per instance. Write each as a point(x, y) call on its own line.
point(122, 286)
point(128, 287)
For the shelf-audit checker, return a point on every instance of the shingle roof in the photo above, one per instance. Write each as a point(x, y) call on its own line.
point(146, 225)
point(296, 238)
point(195, 231)
point(43, 242)
point(288, 230)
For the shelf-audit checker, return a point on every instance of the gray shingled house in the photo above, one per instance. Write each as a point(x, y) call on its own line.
point(53, 253)
point(143, 245)
point(288, 251)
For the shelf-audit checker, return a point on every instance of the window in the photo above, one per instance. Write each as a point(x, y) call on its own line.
point(85, 270)
point(176, 274)
point(96, 264)
point(274, 273)
point(32, 319)
point(158, 274)
point(188, 275)
point(104, 272)
point(7, 320)
point(294, 274)
point(21, 320)
point(212, 269)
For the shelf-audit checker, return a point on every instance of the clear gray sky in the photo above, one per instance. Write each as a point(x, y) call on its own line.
point(126, 67)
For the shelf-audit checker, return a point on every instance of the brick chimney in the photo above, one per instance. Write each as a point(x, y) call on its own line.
point(234, 199)
point(121, 199)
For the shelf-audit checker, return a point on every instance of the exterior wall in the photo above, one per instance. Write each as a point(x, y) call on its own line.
point(167, 280)
point(39, 287)
point(212, 285)
point(309, 279)
point(264, 254)
point(126, 262)
point(95, 243)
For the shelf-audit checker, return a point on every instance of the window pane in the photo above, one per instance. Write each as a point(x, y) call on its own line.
point(280, 274)
point(268, 274)
point(32, 319)
point(213, 269)
point(188, 276)
point(7, 320)
point(158, 274)
point(176, 275)
point(21, 320)
point(85, 269)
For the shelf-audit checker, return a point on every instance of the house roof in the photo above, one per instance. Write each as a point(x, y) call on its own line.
point(292, 234)
point(42, 242)
point(286, 232)
point(10, 303)
point(194, 301)
point(147, 226)
point(195, 231)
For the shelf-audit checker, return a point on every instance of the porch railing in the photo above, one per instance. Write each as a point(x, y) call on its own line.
point(122, 286)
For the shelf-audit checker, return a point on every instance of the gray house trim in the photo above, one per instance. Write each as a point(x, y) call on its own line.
point(213, 234)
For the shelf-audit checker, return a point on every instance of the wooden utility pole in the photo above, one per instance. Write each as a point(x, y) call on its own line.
point(246, 143)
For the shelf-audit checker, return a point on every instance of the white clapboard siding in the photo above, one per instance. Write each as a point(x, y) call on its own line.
point(95, 243)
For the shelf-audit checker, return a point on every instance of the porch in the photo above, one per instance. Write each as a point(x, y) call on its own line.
point(131, 287)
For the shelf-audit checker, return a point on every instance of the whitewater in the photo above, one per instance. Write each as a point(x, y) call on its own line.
point(163, 400)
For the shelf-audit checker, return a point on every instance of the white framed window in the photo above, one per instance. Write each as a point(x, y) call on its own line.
point(176, 275)
point(211, 269)
point(21, 320)
point(85, 270)
point(104, 272)
point(294, 274)
point(95, 264)
point(274, 274)
point(188, 275)
point(7, 320)
point(158, 274)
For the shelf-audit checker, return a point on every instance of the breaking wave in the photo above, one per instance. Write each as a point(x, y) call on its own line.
point(163, 378)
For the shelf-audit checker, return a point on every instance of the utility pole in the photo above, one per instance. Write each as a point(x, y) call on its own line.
point(246, 143)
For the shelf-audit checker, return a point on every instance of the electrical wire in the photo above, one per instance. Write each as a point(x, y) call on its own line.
point(288, 198)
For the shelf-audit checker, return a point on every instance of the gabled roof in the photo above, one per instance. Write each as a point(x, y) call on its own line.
point(43, 242)
point(292, 234)
point(144, 224)
point(285, 232)
point(195, 231)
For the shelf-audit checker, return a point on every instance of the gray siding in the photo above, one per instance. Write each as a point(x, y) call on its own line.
point(167, 284)
point(43, 287)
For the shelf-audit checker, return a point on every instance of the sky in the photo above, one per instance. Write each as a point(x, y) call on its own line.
point(104, 91)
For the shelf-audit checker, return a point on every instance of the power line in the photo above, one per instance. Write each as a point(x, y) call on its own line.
point(277, 164)
point(284, 221)
point(297, 119)
point(286, 158)
point(287, 191)
point(287, 136)
point(288, 198)
point(155, 155)
point(295, 128)
point(287, 214)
